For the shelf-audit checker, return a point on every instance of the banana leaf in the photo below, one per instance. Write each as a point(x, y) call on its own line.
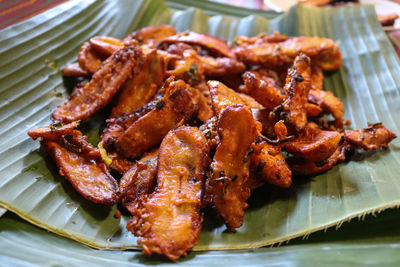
point(33, 53)
point(373, 241)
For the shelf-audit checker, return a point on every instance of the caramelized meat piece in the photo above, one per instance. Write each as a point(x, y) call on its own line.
point(169, 222)
point(374, 137)
point(153, 35)
point(215, 45)
point(139, 181)
point(88, 59)
point(313, 110)
point(221, 66)
point(323, 52)
point(268, 163)
point(73, 70)
point(53, 132)
point(141, 88)
point(104, 84)
point(296, 90)
point(237, 130)
point(317, 78)
point(314, 144)
point(222, 96)
point(149, 130)
point(307, 167)
point(105, 45)
point(328, 102)
point(262, 91)
point(82, 166)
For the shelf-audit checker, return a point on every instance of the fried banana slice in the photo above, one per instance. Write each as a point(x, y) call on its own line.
point(149, 130)
point(222, 96)
point(317, 78)
point(216, 46)
point(139, 181)
point(54, 131)
point(263, 92)
point(374, 137)
point(82, 166)
point(88, 59)
point(268, 163)
point(141, 88)
point(170, 221)
point(296, 90)
point(307, 167)
point(221, 66)
point(152, 35)
point(237, 130)
point(104, 84)
point(324, 52)
point(314, 144)
point(74, 70)
point(328, 102)
point(105, 45)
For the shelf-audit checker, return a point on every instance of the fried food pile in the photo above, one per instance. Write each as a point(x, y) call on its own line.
point(196, 123)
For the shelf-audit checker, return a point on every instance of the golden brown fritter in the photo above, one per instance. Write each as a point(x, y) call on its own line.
point(152, 35)
point(221, 66)
point(222, 96)
point(104, 84)
point(262, 91)
point(323, 52)
point(374, 137)
point(143, 85)
point(215, 45)
point(139, 181)
point(73, 70)
point(169, 221)
point(148, 131)
point(328, 102)
point(237, 130)
point(296, 92)
point(317, 78)
point(307, 167)
point(268, 163)
point(54, 131)
point(105, 45)
point(88, 59)
point(82, 166)
point(314, 144)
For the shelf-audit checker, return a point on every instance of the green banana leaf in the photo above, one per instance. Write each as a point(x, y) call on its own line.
point(33, 53)
point(374, 241)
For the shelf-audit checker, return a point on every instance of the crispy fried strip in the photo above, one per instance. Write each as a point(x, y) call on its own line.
point(141, 88)
point(313, 110)
point(222, 96)
point(221, 66)
point(82, 166)
point(211, 43)
point(73, 70)
point(328, 102)
point(317, 78)
point(88, 59)
point(323, 52)
point(105, 45)
point(152, 35)
point(149, 130)
point(262, 91)
point(296, 90)
point(53, 132)
point(314, 144)
point(139, 181)
point(374, 137)
point(170, 221)
point(268, 163)
point(230, 167)
point(307, 167)
point(104, 84)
